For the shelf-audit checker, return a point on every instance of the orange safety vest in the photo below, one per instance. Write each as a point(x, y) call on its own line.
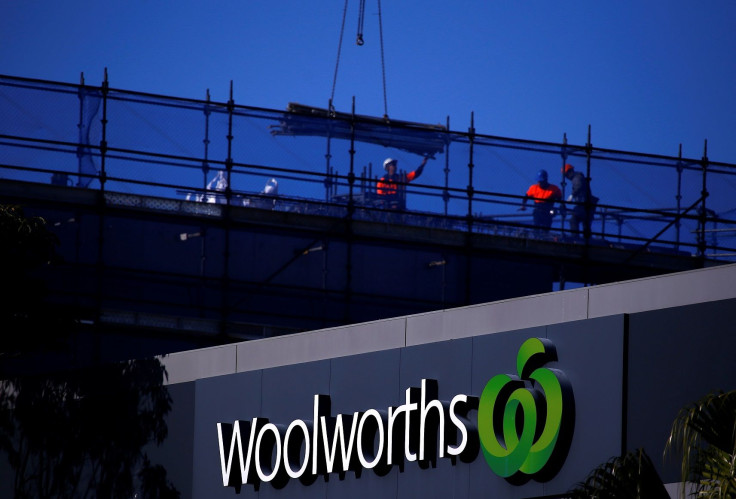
point(548, 195)
point(388, 186)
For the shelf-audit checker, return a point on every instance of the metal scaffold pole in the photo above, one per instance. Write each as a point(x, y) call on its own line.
point(588, 200)
point(678, 198)
point(469, 216)
point(80, 150)
point(703, 210)
point(205, 173)
point(563, 182)
point(446, 192)
point(100, 274)
point(206, 141)
point(227, 213)
point(351, 210)
point(588, 226)
point(470, 190)
point(328, 154)
point(103, 142)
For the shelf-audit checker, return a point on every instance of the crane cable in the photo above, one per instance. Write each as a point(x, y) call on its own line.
point(359, 41)
point(339, 48)
point(383, 63)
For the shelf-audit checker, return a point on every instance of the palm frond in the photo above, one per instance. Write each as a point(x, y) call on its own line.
point(705, 434)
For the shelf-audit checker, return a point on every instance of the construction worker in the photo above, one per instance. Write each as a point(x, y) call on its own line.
point(544, 195)
point(581, 214)
point(390, 187)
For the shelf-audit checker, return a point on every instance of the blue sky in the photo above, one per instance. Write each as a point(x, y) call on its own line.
point(646, 75)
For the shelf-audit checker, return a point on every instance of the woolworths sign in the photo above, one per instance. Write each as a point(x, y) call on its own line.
point(521, 423)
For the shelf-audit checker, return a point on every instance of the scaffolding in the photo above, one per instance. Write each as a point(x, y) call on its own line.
point(117, 149)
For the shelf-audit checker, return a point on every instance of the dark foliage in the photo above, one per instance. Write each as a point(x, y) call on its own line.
point(78, 433)
point(631, 476)
point(82, 433)
point(27, 250)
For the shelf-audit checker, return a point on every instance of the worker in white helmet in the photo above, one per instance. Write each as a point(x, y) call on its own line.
point(389, 187)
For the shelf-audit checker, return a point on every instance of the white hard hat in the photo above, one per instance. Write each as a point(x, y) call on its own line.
point(387, 162)
point(272, 187)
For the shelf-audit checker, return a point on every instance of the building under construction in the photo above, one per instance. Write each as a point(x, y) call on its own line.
point(223, 271)
point(198, 222)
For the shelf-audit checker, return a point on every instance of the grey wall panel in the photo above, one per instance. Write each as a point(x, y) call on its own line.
point(447, 361)
point(676, 356)
point(319, 345)
point(288, 394)
point(199, 364)
point(506, 315)
point(591, 354)
point(673, 290)
point(360, 383)
point(177, 453)
point(449, 364)
point(221, 399)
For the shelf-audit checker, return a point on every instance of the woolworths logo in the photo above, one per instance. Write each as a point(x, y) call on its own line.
point(525, 420)
point(522, 423)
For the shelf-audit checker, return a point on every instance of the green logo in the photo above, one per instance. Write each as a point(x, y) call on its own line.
point(525, 422)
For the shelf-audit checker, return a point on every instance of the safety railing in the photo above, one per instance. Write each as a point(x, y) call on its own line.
point(315, 160)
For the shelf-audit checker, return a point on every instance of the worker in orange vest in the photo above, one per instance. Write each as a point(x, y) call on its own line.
point(389, 188)
point(544, 195)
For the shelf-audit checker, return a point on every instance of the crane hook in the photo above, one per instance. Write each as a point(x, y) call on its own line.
point(361, 18)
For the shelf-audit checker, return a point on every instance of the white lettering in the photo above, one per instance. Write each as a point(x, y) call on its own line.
point(456, 451)
point(361, 454)
point(259, 469)
point(338, 436)
point(298, 423)
point(236, 440)
point(392, 415)
point(315, 430)
point(410, 456)
point(371, 433)
point(423, 413)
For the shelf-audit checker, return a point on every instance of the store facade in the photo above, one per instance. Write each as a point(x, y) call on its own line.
point(518, 399)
